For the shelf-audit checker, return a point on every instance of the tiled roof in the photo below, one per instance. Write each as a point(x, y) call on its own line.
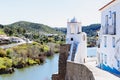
point(107, 5)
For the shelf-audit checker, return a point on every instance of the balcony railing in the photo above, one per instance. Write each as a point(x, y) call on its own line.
point(109, 30)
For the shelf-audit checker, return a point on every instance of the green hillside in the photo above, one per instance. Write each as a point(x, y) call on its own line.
point(29, 27)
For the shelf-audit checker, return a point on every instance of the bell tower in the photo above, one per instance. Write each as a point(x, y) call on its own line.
point(73, 28)
point(77, 40)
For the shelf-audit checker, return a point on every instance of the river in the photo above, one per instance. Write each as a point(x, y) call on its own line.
point(39, 72)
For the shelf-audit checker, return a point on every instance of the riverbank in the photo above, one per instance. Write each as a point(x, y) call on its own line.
point(35, 72)
point(24, 55)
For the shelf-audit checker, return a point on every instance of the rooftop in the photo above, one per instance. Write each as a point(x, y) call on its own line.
point(107, 5)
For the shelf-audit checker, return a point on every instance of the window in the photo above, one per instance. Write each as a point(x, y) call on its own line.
point(110, 14)
point(113, 41)
point(105, 41)
point(114, 21)
point(105, 58)
point(106, 23)
point(72, 28)
point(118, 63)
point(71, 39)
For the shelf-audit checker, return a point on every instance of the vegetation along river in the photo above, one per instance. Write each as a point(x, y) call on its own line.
point(39, 72)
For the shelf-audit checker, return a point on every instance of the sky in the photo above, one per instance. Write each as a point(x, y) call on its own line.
point(54, 13)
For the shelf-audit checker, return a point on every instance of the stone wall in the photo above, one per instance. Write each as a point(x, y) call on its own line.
point(63, 61)
point(70, 70)
point(55, 77)
point(77, 71)
point(64, 49)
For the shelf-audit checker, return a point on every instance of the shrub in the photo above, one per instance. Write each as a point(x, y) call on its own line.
point(46, 48)
point(2, 53)
point(5, 63)
point(31, 62)
point(8, 51)
point(56, 50)
point(34, 43)
point(37, 60)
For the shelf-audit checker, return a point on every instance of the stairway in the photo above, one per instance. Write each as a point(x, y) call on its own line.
point(74, 51)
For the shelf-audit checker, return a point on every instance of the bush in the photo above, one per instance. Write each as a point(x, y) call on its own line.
point(37, 60)
point(2, 53)
point(5, 63)
point(31, 62)
point(34, 43)
point(56, 50)
point(46, 48)
point(9, 51)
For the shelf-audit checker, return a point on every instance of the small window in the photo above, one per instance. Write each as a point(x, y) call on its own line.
point(71, 39)
point(106, 20)
point(118, 63)
point(105, 41)
point(105, 59)
point(114, 21)
point(72, 28)
point(113, 42)
point(106, 24)
point(110, 14)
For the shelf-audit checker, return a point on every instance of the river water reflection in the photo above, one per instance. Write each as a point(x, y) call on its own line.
point(39, 72)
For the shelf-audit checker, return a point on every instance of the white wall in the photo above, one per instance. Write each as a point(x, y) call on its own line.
point(113, 8)
point(110, 50)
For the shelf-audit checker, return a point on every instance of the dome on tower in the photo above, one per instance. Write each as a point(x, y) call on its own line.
point(74, 20)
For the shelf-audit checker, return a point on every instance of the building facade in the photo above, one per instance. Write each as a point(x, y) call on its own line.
point(108, 51)
point(78, 41)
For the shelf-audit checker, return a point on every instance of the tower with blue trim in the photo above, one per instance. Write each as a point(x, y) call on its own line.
point(78, 41)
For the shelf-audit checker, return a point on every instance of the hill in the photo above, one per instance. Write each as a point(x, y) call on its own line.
point(63, 30)
point(91, 30)
point(29, 27)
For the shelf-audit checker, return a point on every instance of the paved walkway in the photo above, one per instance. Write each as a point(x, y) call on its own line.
point(99, 73)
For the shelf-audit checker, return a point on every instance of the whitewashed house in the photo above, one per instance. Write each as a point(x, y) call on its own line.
point(108, 51)
point(78, 41)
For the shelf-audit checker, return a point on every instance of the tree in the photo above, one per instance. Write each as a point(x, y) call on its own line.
point(8, 31)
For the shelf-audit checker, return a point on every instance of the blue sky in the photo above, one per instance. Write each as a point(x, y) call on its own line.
point(50, 12)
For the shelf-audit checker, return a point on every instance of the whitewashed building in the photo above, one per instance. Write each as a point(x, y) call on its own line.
point(108, 51)
point(78, 41)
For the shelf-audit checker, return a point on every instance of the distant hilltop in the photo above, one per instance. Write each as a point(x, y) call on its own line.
point(91, 30)
point(30, 27)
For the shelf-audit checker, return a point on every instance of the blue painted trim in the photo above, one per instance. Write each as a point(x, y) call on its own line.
point(109, 69)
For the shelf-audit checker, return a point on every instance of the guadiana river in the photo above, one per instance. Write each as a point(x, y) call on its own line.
point(39, 72)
